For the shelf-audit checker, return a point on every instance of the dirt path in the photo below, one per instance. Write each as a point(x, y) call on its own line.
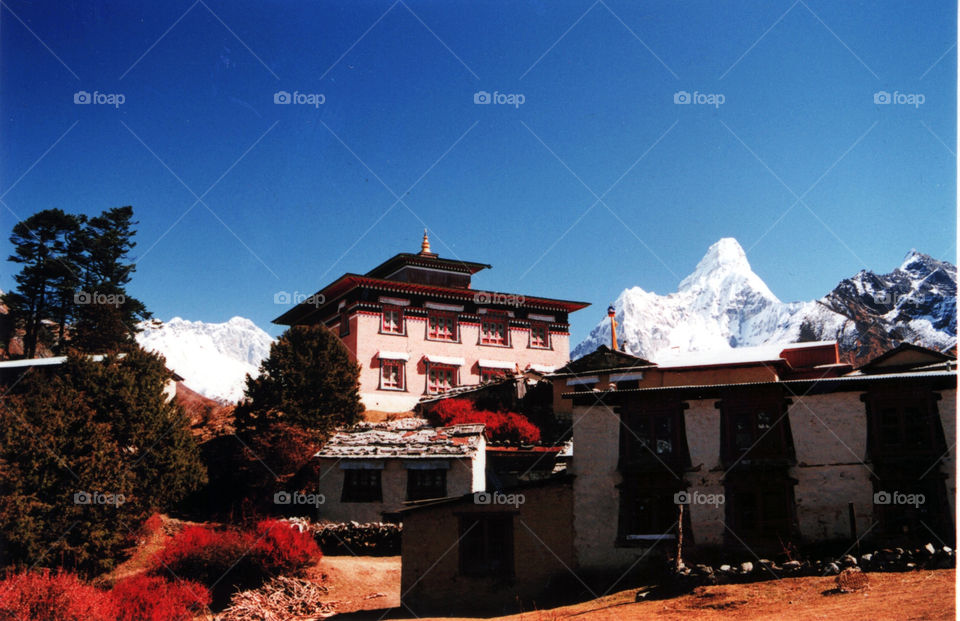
point(913, 596)
point(360, 582)
point(926, 595)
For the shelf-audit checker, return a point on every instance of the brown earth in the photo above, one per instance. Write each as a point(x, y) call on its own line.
point(891, 596)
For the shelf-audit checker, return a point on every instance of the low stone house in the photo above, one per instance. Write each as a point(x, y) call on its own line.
point(490, 552)
point(376, 467)
point(767, 450)
point(766, 465)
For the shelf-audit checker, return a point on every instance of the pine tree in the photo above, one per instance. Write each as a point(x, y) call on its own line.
point(89, 427)
point(108, 321)
point(127, 393)
point(54, 455)
point(308, 381)
point(45, 245)
point(75, 274)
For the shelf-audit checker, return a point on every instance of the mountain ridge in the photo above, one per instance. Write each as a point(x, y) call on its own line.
point(723, 304)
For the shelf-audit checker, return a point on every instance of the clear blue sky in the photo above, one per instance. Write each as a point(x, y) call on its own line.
point(302, 194)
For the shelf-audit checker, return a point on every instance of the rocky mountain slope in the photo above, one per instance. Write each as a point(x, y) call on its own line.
point(213, 358)
point(723, 304)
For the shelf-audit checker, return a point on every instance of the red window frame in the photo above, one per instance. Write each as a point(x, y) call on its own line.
point(489, 337)
point(536, 341)
point(437, 331)
point(434, 386)
point(400, 368)
point(391, 328)
point(489, 375)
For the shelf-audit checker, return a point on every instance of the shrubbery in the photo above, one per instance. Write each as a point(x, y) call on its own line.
point(152, 598)
point(33, 596)
point(501, 427)
point(40, 596)
point(228, 559)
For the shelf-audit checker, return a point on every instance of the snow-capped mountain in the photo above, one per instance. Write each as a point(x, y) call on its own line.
point(213, 358)
point(723, 305)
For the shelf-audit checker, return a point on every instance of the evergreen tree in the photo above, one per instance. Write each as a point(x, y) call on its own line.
point(308, 381)
point(95, 428)
point(108, 321)
point(52, 452)
point(75, 274)
point(45, 244)
point(153, 434)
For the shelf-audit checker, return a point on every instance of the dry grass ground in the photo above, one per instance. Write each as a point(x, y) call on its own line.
point(926, 595)
point(369, 588)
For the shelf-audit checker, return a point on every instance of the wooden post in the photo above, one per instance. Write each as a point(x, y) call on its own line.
point(680, 538)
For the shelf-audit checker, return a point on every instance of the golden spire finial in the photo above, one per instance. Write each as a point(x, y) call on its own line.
point(425, 245)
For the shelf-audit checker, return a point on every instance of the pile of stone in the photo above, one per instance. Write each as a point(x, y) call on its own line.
point(367, 539)
point(887, 559)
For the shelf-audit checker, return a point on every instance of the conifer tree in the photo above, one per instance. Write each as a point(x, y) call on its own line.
point(308, 381)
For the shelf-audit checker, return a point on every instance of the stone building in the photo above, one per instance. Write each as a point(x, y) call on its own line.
point(768, 450)
point(766, 464)
point(376, 467)
point(417, 328)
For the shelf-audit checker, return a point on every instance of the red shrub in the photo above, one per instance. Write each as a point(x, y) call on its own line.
point(38, 596)
point(229, 560)
point(203, 554)
point(152, 524)
point(499, 426)
point(283, 549)
point(152, 598)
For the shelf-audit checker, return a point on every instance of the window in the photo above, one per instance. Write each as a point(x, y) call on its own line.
point(910, 503)
point(442, 327)
point(441, 378)
point(904, 424)
point(647, 507)
point(489, 375)
point(344, 324)
point(756, 429)
point(493, 331)
point(486, 546)
point(391, 375)
point(652, 435)
point(760, 512)
point(392, 320)
point(361, 486)
point(423, 484)
point(539, 336)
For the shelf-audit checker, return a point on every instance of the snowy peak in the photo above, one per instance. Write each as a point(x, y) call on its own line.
point(725, 266)
point(723, 305)
point(213, 358)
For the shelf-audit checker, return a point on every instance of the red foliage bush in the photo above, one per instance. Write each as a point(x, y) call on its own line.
point(282, 548)
point(38, 596)
point(152, 524)
point(152, 598)
point(231, 559)
point(506, 427)
point(204, 555)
